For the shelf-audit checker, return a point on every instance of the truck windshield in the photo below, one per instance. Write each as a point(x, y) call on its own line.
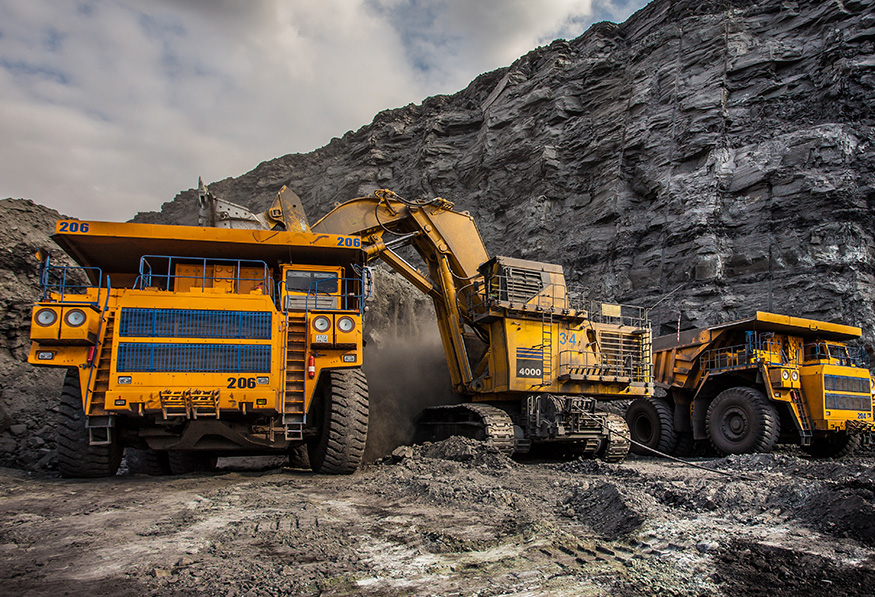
point(838, 352)
point(309, 281)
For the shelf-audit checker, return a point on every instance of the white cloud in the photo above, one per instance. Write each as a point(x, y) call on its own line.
point(109, 107)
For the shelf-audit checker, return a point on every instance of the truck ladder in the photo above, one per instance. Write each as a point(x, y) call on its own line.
point(804, 422)
point(100, 370)
point(547, 347)
point(295, 370)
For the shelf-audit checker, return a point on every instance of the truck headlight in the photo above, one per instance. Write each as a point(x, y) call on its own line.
point(785, 374)
point(346, 324)
point(321, 324)
point(75, 317)
point(46, 317)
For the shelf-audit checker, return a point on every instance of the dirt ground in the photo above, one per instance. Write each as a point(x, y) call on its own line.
point(453, 518)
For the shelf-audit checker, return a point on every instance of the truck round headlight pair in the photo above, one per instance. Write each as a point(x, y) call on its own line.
point(323, 324)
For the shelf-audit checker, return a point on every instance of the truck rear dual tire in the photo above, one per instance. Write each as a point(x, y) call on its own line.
point(651, 426)
point(147, 462)
point(76, 458)
point(835, 445)
point(344, 423)
point(741, 421)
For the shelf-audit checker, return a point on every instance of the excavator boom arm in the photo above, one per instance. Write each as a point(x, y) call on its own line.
point(447, 240)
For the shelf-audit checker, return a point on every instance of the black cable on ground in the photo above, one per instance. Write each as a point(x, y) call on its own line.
point(682, 461)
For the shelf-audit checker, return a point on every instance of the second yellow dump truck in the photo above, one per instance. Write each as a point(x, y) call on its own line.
point(749, 384)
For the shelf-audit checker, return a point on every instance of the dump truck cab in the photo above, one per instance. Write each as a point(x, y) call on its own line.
point(192, 342)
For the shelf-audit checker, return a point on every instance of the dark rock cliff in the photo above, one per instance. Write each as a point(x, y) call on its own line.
point(722, 147)
point(28, 395)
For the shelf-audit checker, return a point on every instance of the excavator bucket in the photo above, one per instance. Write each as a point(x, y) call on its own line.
point(288, 211)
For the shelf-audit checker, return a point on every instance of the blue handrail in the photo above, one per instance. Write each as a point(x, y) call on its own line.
point(148, 277)
point(62, 285)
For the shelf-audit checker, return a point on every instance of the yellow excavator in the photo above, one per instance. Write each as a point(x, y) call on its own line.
point(530, 361)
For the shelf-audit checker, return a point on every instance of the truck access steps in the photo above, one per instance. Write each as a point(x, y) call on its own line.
point(295, 371)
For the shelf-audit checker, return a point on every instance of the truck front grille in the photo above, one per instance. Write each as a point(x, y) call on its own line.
point(849, 402)
point(194, 323)
point(192, 358)
point(841, 383)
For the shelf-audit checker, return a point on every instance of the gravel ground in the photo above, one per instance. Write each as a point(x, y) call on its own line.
point(452, 518)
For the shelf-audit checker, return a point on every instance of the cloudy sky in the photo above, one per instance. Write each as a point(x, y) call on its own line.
point(111, 107)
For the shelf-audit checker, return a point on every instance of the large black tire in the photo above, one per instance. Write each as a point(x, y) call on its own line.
point(76, 458)
point(147, 462)
point(834, 445)
point(344, 423)
point(651, 424)
point(183, 462)
point(685, 446)
point(741, 421)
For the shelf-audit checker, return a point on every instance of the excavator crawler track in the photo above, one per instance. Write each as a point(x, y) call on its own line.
point(477, 421)
point(617, 442)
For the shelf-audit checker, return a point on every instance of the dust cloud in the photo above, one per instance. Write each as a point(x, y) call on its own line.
point(406, 373)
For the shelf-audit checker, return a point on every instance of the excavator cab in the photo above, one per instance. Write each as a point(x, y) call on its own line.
point(522, 284)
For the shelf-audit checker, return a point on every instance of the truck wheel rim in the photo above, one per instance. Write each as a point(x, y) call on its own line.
point(735, 424)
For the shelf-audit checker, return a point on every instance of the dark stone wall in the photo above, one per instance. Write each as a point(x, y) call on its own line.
point(724, 148)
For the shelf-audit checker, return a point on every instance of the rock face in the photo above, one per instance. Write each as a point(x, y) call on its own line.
point(722, 148)
point(28, 396)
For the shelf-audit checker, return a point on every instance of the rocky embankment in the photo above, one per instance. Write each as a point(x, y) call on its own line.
point(724, 149)
point(28, 396)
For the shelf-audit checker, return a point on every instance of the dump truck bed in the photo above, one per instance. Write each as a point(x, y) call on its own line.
point(761, 322)
point(117, 247)
point(676, 356)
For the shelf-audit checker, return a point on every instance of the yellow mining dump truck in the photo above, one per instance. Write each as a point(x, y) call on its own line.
point(531, 362)
point(749, 384)
point(185, 343)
